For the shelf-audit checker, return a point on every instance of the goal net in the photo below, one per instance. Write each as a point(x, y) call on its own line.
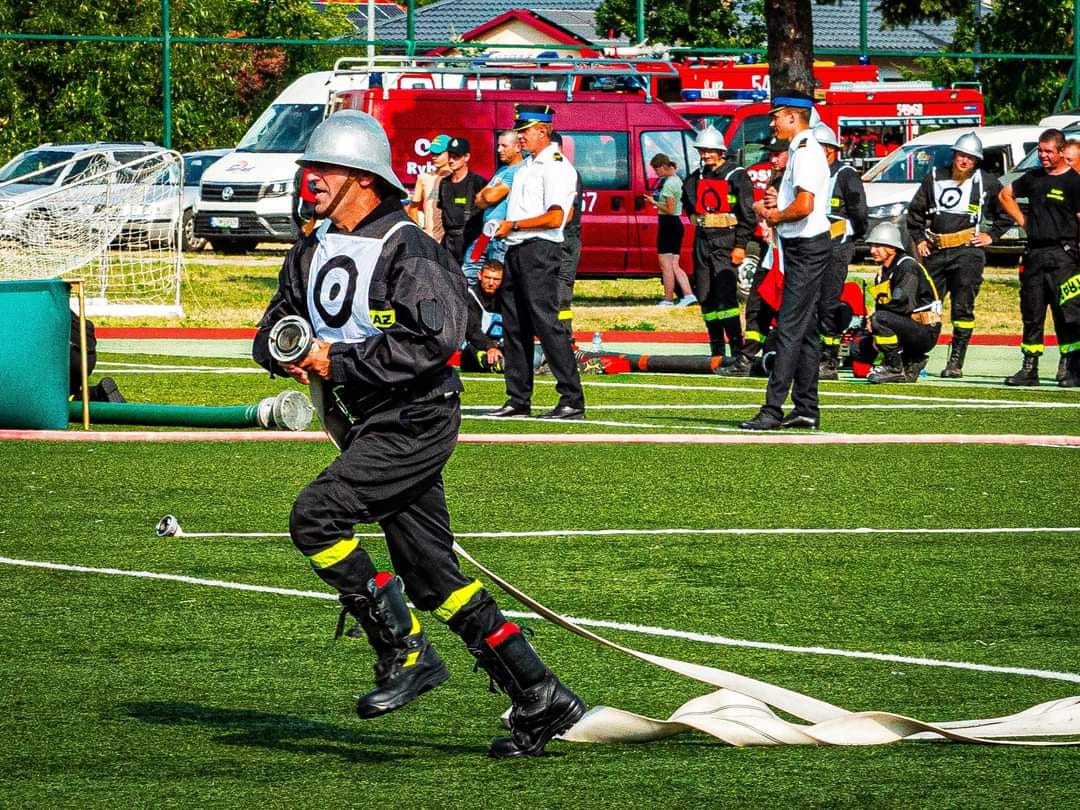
point(114, 226)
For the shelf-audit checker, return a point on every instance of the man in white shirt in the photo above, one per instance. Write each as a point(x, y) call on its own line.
point(541, 197)
point(799, 210)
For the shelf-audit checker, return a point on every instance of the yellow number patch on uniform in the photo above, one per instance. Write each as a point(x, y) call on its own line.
point(1069, 289)
point(382, 318)
point(881, 293)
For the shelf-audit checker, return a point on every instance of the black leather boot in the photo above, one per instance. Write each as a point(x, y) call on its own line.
point(1071, 378)
point(1062, 369)
point(891, 370)
point(542, 708)
point(406, 664)
point(1028, 373)
point(828, 369)
point(954, 366)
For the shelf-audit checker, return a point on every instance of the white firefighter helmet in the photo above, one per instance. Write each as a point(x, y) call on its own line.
point(824, 135)
point(969, 144)
point(710, 138)
point(885, 233)
point(353, 139)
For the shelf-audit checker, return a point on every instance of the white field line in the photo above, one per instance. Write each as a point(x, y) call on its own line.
point(740, 532)
point(893, 406)
point(608, 625)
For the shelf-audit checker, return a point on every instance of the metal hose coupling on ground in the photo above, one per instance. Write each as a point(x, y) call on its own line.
point(289, 410)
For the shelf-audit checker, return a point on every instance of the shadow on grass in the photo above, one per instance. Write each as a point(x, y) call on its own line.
point(281, 732)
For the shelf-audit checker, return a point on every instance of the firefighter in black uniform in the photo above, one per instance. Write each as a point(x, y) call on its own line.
point(386, 307)
point(1049, 276)
point(906, 321)
point(944, 221)
point(718, 197)
point(848, 220)
point(760, 315)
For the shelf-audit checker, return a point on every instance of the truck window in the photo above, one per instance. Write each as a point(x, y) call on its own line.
point(674, 144)
point(601, 158)
point(700, 121)
point(748, 141)
point(282, 128)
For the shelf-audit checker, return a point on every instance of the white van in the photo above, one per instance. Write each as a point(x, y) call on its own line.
point(246, 197)
point(892, 183)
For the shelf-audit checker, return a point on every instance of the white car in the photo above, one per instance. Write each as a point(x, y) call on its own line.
point(892, 183)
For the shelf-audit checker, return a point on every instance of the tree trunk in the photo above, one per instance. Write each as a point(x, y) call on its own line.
point(790, 45)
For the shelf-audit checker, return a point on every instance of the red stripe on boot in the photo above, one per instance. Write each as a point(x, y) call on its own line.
point(502, 634)
point(383, 578)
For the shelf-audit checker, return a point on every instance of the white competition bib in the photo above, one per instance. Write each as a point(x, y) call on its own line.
point(339, 282)
point(951, 197)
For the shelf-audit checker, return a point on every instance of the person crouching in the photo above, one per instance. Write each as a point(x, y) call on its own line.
point(906, 321)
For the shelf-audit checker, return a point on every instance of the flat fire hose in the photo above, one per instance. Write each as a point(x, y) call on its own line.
point(741, 712)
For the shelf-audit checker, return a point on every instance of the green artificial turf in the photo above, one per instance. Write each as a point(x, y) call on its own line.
point(135, 692)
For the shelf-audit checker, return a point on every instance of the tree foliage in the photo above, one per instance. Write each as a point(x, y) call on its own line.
point(65, 91)
point(1016, 91)
point(691, 23)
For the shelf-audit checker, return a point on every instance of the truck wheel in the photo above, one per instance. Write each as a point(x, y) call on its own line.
point(188, 239)
point(232, 245)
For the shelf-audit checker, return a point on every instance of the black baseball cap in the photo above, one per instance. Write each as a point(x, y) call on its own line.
point(458, 146)
point(777, 145)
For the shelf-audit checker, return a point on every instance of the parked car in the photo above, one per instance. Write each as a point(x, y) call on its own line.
point(892, 183)
point(195, 163)
point(43, 171)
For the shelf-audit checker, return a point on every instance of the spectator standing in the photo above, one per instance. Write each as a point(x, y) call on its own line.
point(462, 219)
point(423, 206)
point(492, 199)
point(540, 201)
point(1049, 277)
point(669, 233)
point(799, 211)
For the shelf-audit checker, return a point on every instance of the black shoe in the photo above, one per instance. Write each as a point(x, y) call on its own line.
point(564, 412)
point(762, 421)
point(510, 411)
point(542, 712)
point(828, 372)
point(798, 420)
point(399, 682)
point(739, 368)
point(888, 374)
point(106, 391)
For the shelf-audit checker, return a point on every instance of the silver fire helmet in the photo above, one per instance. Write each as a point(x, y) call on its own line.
point(885, 233)
point(353, 139)
point(824, 135)
point(710, 138)
point(969, 144)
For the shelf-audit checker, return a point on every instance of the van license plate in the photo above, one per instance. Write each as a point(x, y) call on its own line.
point(224, 222)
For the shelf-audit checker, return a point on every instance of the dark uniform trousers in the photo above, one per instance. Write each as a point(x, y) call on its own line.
point(716, 287)
point(568, 264)
point(759, 315)
point(389, 472)
point(798, 342)
point(1045, 268)
point(958, 272)
point(530, 299)
point(915, 340)
point(830, 308)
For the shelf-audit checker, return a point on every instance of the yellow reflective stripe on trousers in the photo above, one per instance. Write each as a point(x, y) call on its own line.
point(456, 601)
point(757, 337)
point(335, 554)
point(1032, 348)
point(886, 340)
point(710, 316)
point(964, 324)
point(566, 314)
point(728, 313)
point(829, 340)
point(1069, 348)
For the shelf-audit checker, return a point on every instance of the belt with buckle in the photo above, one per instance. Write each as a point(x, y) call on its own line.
point(714, 220)
point(951, 240)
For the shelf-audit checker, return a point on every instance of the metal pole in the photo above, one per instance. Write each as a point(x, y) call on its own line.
point(166, 77)
point(410, 28)
point(640, 32)
point(1076, 55)
point(371, 34)
point(864, 26)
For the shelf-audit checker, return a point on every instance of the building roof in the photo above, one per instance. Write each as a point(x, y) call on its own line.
point(836, 25)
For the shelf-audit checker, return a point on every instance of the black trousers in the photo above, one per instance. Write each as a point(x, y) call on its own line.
point(530, 300)
point(914, 340)
point(569, 257)
point(759, 315)
point(830, 309)
point(798, 342)
point(1045, 269)
point(716, 287)
point(958, 273)
point(389, 472)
